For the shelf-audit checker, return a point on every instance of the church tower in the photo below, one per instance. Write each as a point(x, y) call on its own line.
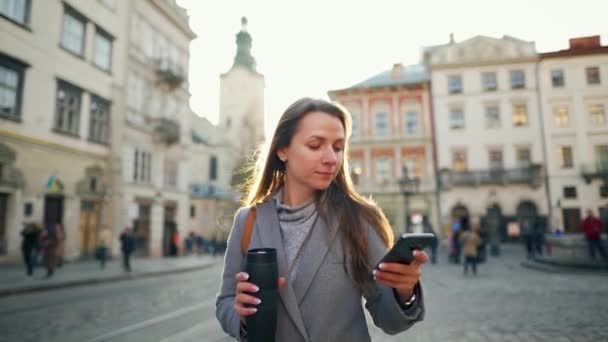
point(242, 99)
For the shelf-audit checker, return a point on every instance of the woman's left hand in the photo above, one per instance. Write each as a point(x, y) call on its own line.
point(403, 278)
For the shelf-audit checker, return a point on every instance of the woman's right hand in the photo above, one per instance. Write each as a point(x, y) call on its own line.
point(244, 297)
point(244, 290)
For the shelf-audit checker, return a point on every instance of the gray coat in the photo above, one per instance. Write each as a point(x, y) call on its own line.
point(323, 304)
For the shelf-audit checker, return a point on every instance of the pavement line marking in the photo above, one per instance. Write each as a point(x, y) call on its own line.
point(147, 323)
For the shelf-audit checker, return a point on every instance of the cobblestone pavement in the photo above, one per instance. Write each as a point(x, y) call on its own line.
point(505, 302)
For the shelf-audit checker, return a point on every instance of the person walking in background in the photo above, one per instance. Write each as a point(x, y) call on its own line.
point(427, 227)
point(29, 245)
point(105, 236)
point(470, 242)
point(51, 240)
point(527, 234)
point(127, 246)
point(592, 228)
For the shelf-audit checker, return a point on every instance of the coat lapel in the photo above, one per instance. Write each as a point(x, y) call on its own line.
point(315, 251)
point(267, 230)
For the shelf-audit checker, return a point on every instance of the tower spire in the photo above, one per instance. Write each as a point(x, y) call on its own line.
point(243, 48)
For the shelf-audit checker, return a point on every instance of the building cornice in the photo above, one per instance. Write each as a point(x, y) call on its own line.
point(170, 14)
point(435, 67)
point(49, 144)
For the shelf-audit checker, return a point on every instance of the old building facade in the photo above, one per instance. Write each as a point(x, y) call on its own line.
point(151, 163)
point(392, 143)
point(61, 86)
point(574, 99)
point(490, 157)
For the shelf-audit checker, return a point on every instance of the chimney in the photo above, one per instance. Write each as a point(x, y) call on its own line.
point(398, 71)
point(581, 43)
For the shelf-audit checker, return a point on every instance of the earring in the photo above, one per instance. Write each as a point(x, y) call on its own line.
point(283, 159)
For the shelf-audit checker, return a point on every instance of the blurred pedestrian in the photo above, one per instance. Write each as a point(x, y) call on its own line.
point(539, 237)
point(428, 228)
point(527, 234)
point(51, 240)
point(103, 248)
point(470, 242)
point(592, 228)
point(174, 245)
point(127, 246)
point(60, 244)
point(30, 235)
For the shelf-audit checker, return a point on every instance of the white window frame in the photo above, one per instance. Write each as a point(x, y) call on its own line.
point(381, 126)
point(73, 36)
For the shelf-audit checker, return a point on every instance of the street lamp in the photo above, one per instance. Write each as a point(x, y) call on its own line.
point(409, 186)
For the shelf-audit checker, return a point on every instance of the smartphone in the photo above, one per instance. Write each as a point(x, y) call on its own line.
point(402, 251)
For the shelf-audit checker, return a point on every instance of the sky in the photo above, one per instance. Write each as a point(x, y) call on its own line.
point(306, 48)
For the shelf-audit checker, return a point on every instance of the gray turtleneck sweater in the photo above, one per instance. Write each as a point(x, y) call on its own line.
point(296, 224)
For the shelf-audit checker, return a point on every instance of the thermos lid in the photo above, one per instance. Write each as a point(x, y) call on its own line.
point(262, 255)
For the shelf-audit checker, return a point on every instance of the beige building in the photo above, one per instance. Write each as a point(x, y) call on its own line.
point(151, 163)
point(490, 156)
point(392, 142)
point(213, 202)
point(220, 153)
point(61, 73)
point(574, 98)
point(242, 99)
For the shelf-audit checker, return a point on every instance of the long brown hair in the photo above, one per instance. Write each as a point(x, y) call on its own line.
point(340, 198)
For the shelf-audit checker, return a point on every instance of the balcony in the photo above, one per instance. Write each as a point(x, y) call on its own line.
point(169, 73)
point(166, 130)
point(599, 170)
point(527, 176)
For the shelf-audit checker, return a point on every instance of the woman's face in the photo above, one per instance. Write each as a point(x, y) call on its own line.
point(315, 154)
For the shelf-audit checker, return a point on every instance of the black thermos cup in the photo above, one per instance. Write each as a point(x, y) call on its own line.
point(263, 272)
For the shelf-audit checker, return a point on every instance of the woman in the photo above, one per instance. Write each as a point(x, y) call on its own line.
point(328, 239)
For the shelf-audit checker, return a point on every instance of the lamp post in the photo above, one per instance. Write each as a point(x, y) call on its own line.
point(409, 186)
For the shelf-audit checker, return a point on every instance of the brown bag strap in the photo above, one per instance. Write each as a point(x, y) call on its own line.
point(249, 221)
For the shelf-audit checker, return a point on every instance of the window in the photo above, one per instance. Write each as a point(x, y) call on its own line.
point(564, 157)
point(413, 167)
point(11, 87)
point(601, 157)
point(381, 124)
point(15, 10)
point(143, 166)
point(560, 116)
point(457, 118)
point(557, 78)
point(111, 4)
point(454, 84)
point(488, 81)
point(596, 113)
point(593, 75)
point(135, 93)
point(67, 111)
point(492, 117)
point(171, 172)
point(355, 121)
point(100, 120)
point(569, 191)
point(524, 157)
point(72, 38)
point(103, 50)
point(411, 122)
point(148, 37)
point(603, 191)
point(192, 211)
point(518, 79)
point(459, 160)
point(520, 114)
point(213, 168)
point(383, 170)
point(495, 159)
